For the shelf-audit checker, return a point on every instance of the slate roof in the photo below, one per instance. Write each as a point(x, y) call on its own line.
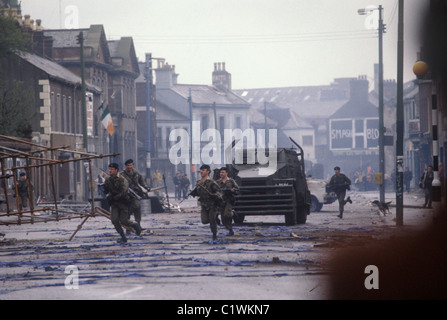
point(165, 113)
point(124, 48)
point(309, 102)
point(65, 38)
point(352, 109)
point(207, 95)
point(55, 70)
point(94, 38)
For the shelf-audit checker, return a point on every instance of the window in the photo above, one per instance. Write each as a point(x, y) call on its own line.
point(238, 122)
point(204, 121)
point(168, 132)
point(58, 113)
point(307, 140)
point(70, 115)
point(221, 126)
point(160, 137)
point(64, 120)
point(53, 111)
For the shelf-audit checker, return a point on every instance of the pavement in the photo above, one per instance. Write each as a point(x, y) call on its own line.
point(174, 258)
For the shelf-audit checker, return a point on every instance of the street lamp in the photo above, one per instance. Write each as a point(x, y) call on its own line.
point(381, 29)
point(420, 69)
point(148, 78)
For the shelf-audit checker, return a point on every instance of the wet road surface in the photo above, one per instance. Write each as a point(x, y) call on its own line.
point(175, 259)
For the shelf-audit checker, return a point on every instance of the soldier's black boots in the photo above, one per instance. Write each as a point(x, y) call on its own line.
point(348, 199)
point(137, 228)
point(214, 237)
point(123, 239)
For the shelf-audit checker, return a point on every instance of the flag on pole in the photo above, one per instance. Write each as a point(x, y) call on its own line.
point(106, 120)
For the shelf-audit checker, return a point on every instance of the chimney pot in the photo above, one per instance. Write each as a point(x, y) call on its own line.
point(39, 25)
point(27, 20)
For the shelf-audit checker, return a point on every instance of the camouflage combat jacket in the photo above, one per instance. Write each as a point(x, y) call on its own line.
point(116, 188)
point(22, 188)
point(135, 180)
point(205, 197)
point(226, 189)
point(339, 183)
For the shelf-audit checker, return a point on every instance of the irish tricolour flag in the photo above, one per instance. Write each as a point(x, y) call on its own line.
point(106, 120)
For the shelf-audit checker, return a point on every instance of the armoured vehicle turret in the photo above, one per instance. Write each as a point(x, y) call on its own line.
point(267, 190)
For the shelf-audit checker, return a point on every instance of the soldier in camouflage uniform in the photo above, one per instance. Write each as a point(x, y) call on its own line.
point(339, 183)
point(135, 180)
point(116, 189)
point(22, 189)
point(209, 196)
point(229, 187)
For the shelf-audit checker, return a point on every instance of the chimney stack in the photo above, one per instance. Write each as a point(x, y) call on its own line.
point(221, 79)
point(359, 89)
point(165, 76)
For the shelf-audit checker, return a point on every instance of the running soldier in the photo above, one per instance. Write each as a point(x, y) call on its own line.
point(339, 183)
point(210, 197)
point(116, 188)
point(135, 180)
point(23, 191)
point(229, 188)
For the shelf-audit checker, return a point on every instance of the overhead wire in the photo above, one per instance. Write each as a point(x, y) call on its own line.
point(256, 38)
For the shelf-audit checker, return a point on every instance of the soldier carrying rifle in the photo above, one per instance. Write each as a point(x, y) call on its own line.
point(229, 188)
point(339, 183)
point(136, 183)
point(210, 197)
point(117, 190)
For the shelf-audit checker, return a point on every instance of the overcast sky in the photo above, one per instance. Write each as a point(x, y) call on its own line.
point(264, 43)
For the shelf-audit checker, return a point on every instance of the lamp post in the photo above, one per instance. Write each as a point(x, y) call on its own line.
point(381, 29)
point(420, 69)
point(400, 118)
point(148, 78)
point(148, 115)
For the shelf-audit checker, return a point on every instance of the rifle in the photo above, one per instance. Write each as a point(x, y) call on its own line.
point(130, 192)
point(217, 200)
point(230, 189)
point(337, 186)
point(167, 194)
point(133, 194)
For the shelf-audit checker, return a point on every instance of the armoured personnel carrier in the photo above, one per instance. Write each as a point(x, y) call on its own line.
point(264, 190)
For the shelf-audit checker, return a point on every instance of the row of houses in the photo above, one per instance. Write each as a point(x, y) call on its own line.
point(336, 124)
point(117, 81)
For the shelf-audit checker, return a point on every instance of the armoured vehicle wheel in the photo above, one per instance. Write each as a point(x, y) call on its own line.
point(315, 205)
point(239, 218)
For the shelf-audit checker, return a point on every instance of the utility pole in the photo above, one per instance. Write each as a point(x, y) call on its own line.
point(400, 119)
point(83, 101)
point(148, 115)
point(381, 125)
point(80, 38)
point(191, 143)
point(381, 29)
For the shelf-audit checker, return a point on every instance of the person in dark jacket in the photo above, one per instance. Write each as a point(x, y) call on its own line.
point(23, 192)
point(426, 184)
point(116, 188)
point(408, 176)
point(210, 197)
point(339, 183)
point(136, 181)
